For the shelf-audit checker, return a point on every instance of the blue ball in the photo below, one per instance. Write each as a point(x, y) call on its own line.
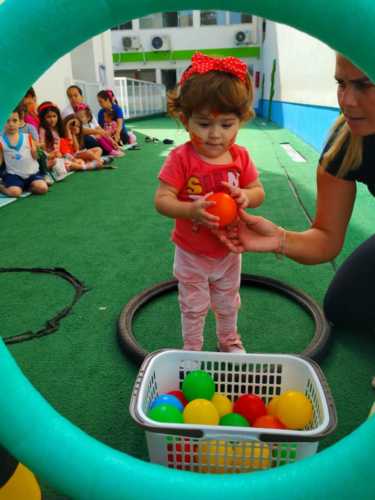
point(168, 399)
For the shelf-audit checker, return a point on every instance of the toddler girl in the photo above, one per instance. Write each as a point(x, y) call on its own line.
point(110, 123)
point(212, 100)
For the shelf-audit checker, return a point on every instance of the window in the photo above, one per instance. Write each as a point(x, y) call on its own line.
point(213, 18)
point(240, 18)
point(177, 19)
point(126, 26)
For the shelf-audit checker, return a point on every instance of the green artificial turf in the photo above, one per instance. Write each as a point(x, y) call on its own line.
point(102, 227)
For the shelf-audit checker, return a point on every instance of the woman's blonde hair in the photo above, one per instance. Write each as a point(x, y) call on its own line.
point(341, 135)
point(215, 91)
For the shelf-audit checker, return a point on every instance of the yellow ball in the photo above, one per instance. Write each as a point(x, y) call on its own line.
point(294, 410)
point(201, 411)
point(222, 403)
point(272, 406)
point(256, 456)
point(215, 457)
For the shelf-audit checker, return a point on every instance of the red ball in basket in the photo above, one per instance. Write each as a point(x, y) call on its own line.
point(225, 208)
point(250, 406)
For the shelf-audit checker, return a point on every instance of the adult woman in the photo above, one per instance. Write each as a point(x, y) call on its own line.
point(348, 157)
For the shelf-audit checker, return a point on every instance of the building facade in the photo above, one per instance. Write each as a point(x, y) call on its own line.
point(158, 48)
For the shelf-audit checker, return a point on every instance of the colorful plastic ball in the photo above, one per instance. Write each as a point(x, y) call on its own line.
point(222, 403)
point(268, 422)
point(256, 456)
point(166, 413)
point(225, 208)
point(215, 456)
point(250, 406)
point(179, 395)
point(201, 411)
point(168, 399)
point(272, 406)
point(234, 419)
point(294, 410)
point(198, 385)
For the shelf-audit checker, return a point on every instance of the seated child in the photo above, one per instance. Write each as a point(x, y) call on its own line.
point(18, 151)
point(27, 128)
point(30, 102)
point(71, 147)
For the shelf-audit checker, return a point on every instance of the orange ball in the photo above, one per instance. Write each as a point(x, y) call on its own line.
point(268, 422)
point(225, 208)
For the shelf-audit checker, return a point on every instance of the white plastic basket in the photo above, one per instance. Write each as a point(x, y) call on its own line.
point(218, 449)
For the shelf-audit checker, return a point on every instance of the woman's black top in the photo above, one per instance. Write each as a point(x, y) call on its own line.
point(365, 172)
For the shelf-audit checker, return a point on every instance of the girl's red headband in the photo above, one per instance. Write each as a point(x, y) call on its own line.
point(203, 64)
point(46, 105)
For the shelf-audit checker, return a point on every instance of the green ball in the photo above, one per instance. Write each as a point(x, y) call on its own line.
point(166, 413)
point(234, 419)
point(198, 385)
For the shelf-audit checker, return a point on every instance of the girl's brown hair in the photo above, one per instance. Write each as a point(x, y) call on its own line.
point(215, 91)
point(79, 137)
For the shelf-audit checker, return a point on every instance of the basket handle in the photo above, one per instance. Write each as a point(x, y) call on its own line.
point(330, 401)
point(138, 381)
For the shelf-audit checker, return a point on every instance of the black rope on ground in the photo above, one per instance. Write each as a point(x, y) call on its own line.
point(315, 350)
point(51, 325)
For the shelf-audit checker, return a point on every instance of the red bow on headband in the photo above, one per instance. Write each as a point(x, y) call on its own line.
point(203, 64)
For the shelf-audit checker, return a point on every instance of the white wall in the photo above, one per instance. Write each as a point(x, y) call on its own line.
point(52, 84)
point(190, 38)
point(305, 67)
point(81, 64)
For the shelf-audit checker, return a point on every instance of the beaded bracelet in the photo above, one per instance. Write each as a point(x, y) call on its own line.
point(280, 250)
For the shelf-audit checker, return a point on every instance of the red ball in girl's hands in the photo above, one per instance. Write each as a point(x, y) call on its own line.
point(250, 406)
point(225, 208)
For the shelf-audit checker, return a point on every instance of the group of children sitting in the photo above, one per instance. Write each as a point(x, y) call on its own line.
point(41, 144)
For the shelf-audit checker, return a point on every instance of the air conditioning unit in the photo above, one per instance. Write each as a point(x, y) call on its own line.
point(131, 43)
point(160, 42)
point(243, 37)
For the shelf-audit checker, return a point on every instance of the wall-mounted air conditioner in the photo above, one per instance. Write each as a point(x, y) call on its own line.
point(160, 42)
point(131, 43)
point(243, 37)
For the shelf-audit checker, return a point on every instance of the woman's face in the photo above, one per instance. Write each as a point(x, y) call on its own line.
point(74, 97)
point(104, 103)
point(356, 97)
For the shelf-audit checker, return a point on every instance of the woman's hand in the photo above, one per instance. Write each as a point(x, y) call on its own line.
point(251, 233)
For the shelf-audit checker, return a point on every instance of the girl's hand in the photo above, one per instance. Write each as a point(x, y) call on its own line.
point(251, 233)
point(239, 195)
point(200, 216)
